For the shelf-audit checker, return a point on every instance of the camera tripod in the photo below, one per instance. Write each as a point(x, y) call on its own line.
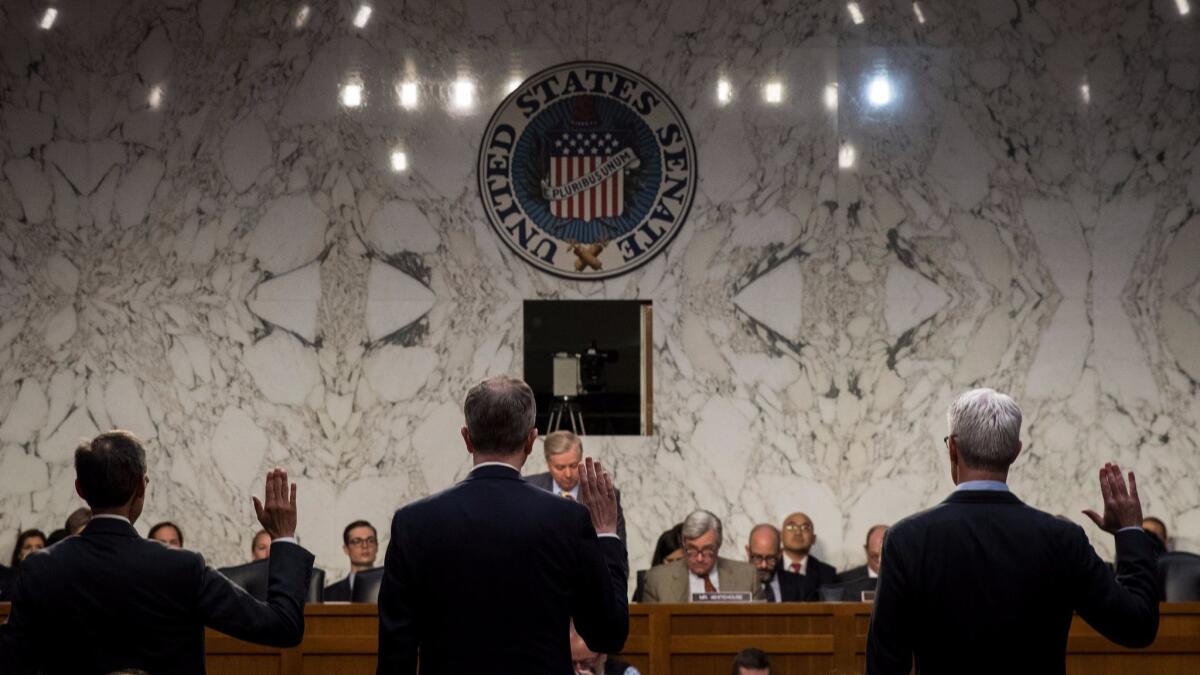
point(566, 405)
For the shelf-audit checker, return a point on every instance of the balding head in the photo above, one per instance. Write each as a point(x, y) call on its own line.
point(500, 414)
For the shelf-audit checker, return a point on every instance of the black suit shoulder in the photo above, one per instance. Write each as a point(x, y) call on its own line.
point(338, 591)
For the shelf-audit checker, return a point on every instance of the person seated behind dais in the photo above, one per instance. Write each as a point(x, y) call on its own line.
point(360, 543)
point(563, 451)
point(668, 549)
point(260, 545)
point(167, 534)
point(702, 570)
point(763, 552)
point(588, 662)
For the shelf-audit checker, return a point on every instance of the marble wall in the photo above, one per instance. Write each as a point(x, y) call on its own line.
point(203, 243)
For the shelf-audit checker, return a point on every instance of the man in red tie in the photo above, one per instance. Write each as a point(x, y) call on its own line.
point(701, 570)
point(798, 539)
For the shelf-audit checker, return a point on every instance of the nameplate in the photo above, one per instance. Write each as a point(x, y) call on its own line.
point(742, 596)
point(868, 596)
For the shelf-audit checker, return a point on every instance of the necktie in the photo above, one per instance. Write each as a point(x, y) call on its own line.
point(769, 591)
point(708, 584)
point(567, 495)
point(796, 567)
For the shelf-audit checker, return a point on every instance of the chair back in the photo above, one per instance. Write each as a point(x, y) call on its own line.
point(1179, 576)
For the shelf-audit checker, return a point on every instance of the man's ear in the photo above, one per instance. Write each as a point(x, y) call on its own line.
point(79, 490)
point(529, 440)
point(467, 440)
point(141, 491)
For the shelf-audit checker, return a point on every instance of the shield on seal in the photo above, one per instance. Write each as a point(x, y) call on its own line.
point(577, 156)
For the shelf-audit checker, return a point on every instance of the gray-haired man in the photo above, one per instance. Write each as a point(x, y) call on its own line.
point(563, 451)
point(983, 583)
point(701, 570)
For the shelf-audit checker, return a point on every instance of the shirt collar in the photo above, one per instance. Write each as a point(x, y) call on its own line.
point(503, 464)
point(113, 516)
point(992, 485)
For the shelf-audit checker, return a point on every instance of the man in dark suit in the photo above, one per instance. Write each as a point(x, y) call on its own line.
point(128, 602)
point(502, 561)
point(799, 536)
point(563, 451)
point(360, 543)
point(983, 583)
point(763, 552)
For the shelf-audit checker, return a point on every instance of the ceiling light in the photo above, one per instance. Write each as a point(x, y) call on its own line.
point(879, 91)
point(156, 97)
point(856, 14)
point(920, 14)
point(302, 16)
point(362, 16)
point(773, 92)
point(48, 18)
point(352, 95)
point(512, 85)
point(463, 94)
point(1184, 7)
point(407, 93)
point(846, 156)
point(724, 91)
point(831, 96)
point(399, 161)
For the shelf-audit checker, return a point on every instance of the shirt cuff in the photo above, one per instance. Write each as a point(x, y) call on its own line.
point(290, 540)
point(1131, 527)
point(614, 535)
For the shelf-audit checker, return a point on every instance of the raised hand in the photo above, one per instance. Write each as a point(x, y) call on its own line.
point(1122, 508)
point(596, 492)
point(278, 513)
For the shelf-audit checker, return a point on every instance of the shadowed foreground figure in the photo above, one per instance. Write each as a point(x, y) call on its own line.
point(109, 600)
point(984, 584)
point(486, 576)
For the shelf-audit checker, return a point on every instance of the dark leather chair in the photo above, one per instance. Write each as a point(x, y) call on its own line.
point(847, 591)
point(1179, 576)
point(252, 577)
point(366, 586)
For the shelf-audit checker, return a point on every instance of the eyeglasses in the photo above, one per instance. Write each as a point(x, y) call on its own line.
point(706, 552)
point(360, 541)
point(769, 559)
point(798, 527)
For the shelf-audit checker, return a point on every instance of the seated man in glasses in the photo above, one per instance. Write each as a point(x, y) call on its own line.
point(361, 545)
point(702, 570)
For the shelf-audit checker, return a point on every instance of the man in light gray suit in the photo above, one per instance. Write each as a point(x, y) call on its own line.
point(564, 454)
point(701, 570)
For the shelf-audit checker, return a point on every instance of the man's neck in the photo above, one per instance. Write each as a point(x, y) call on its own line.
point(516, 460)
point(795, 556)
point(355, 568)
point(967, 473)
point(122, 511)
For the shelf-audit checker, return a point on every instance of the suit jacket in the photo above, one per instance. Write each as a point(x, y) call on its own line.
point(130, 602)
point(669, 582)
point(817, 574)
point(338, 592)
point(546, 482)
point(507, 565)
point(6, 575)
point(792, 586)
point(983, 583)
point(854, 574)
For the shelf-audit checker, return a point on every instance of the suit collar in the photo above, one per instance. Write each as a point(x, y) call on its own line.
point(982, 497)
point(489, 470)
point(109, 526)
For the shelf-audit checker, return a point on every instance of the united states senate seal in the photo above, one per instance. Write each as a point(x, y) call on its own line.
point(587, 170)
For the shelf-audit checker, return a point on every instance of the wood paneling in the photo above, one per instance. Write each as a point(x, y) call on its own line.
point(802, 639)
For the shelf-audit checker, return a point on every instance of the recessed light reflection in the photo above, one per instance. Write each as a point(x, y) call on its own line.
point(352, 93)
point(48, 18)
point(831, 96)
point(362, 16)
point(724, 91)
point(1184, 7)
point(399, 161)
point(856, 14)
point(302, 16)
point(846, 156)
point(1085, 91)
point(462, 94)
point(407, 93)
point(879, 91)
point(921, 15)
point(773, 92)
point(156, 97)
point(512, 85)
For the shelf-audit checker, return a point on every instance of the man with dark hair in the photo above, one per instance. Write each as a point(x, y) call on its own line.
point(563, 451)
point(501, 562)
point(77, 520)
point(982, 583)
point(799, 537)
point(167, 534)
point(751, 661)
point(128, 602)
point(360, 543)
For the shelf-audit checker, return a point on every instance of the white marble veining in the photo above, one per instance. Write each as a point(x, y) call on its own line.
point(201, 242)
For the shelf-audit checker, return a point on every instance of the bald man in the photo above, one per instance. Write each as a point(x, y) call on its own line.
point(799, 536)
point(763, 552)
